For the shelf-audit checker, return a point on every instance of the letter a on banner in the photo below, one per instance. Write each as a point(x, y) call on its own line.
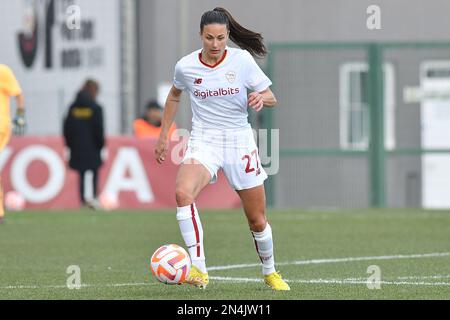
point(128, 160)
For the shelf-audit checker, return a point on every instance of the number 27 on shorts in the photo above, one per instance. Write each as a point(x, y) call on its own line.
point(248, 158)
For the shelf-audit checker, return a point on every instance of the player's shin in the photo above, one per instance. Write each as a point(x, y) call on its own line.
point(264, 248)
point(192, 232)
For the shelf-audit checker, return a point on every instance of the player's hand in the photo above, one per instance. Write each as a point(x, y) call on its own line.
point(19, 123)
point(161, 149)
point(255, 101)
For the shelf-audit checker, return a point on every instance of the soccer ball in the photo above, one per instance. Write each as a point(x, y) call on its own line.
point(170, 264)
point(108, 201)
point(14, 201)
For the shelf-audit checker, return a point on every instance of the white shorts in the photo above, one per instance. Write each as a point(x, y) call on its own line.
point(235, 152)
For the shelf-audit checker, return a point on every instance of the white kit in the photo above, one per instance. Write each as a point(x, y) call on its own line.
point(221, 136)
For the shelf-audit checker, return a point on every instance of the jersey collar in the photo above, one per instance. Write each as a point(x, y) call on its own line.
point(217, 63)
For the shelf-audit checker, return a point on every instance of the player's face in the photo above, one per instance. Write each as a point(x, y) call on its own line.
point(214, 37)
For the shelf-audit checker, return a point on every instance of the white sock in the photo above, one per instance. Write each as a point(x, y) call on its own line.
point(192, 232)
point(264, 247)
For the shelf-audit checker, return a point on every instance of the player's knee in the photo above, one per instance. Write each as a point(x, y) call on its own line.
point(257, 224)
point(184, 196)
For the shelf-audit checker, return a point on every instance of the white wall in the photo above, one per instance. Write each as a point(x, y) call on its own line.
point(49, 91)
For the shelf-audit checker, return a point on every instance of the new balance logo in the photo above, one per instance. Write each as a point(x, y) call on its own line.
point(198, 81)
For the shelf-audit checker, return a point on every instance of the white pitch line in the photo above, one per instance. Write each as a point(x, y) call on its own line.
point(347, 281)
point(238, 280)
point(300, 262)
point(424, 277)
point(336, 260)
point(334, 281)
point(110, 285)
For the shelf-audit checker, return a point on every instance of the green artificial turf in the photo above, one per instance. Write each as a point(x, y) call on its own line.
point(323, 254)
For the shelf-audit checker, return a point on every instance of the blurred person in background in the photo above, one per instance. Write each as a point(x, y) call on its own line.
point(84, 136)
point(222, 83)
point(9, 87)
point(149, 125)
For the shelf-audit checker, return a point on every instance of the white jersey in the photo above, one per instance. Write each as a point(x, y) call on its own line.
point(218, 93)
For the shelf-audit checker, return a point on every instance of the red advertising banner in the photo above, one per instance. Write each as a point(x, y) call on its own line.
point(37, 169)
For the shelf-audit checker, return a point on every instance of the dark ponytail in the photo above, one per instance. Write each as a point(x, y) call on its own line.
point(244, 38)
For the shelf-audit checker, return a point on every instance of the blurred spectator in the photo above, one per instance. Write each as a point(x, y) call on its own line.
point(150, 124)
point(9, 87)
point(84, 136)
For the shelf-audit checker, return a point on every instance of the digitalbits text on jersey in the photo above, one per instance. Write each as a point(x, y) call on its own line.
point(216, 93)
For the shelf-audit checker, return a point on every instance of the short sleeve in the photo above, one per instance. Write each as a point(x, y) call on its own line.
point(9, 82)
point(178, 78)
point(256, 79)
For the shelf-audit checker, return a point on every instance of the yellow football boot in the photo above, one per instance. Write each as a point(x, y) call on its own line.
point(275, 281)
point(197, 278)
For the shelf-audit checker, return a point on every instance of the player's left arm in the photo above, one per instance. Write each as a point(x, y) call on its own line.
point(258, 100)
point(20, 103)
point(19, 120)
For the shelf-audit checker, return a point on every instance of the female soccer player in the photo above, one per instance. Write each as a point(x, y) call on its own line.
point(217, 78)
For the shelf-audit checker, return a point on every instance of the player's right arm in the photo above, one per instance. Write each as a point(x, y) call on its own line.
point(170, 110)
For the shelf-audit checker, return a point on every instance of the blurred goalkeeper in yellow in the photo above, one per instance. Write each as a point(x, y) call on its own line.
point(9, 87)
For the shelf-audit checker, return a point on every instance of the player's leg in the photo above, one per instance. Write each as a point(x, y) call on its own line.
point(254, 204)
point(90, 184)
point(81, 181)
point(94, 183)
point(192, 177)
point(246, 175)
point(5, 134)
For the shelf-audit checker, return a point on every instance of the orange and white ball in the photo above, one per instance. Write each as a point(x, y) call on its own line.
point(170, 264)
